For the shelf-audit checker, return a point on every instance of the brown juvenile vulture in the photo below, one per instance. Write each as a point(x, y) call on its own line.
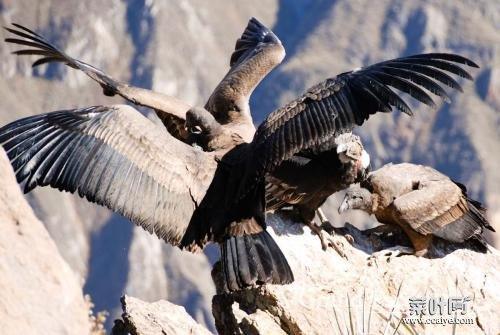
point(422, 201)
point(115, 157)
point(256, 53)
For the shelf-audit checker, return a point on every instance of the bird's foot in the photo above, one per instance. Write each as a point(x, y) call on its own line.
point(319, 232)
point(327, 227)
point(395, 251)
point(327, 239)
point(337, 245)
point(325, 223)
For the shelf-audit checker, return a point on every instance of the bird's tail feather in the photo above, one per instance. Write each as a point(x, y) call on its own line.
point(254, 259)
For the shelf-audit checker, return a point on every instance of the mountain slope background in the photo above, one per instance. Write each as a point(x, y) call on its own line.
point(182, 48)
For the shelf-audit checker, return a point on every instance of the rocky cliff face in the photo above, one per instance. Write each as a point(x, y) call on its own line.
point(182, 48)
point(355, 289)
point(161, 317)
point(39, 293)
point(358, 291)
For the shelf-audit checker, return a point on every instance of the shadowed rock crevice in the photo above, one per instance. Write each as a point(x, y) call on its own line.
point(109, 259)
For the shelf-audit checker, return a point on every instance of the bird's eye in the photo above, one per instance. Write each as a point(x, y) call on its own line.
point(195, 130)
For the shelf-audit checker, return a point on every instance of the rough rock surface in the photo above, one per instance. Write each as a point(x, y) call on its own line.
point(333, 294)
point(39, 293)
point(161, 317)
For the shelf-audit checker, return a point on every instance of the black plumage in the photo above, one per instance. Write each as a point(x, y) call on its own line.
point(112, 155)
point(306, 182)
point(338, 104)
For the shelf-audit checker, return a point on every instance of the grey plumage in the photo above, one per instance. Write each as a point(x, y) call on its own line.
point(115, 157)
point(422, 201)
point(206, 132)
point(256, 53)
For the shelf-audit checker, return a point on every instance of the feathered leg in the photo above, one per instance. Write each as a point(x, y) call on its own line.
point(420, 242)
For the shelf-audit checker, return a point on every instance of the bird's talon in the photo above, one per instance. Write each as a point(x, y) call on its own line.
point(337, 246)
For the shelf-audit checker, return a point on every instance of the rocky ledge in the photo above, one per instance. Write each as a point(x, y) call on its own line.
point(352, 289)
point(348, 290)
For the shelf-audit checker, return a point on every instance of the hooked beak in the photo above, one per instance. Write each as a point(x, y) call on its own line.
point(344, 206)
point(341, 148)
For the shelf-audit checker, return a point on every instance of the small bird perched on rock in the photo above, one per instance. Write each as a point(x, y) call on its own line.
point(305, 182)
point(422, 201)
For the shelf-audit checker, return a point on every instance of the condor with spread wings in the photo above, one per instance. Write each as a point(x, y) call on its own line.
point(114, 156)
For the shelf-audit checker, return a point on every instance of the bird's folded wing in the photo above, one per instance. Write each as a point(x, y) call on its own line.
point(340, 103)
point(170, 110)
point(432, 206)
point(256, 53)
point(114, 156)
point(290, 183)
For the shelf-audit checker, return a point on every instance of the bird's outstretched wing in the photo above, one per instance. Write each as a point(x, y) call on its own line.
point(256, 53)
point(338, 104)
point(113, 156)
point(169, 109)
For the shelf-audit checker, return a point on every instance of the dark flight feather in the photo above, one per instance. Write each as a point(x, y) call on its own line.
point(111, 156)
point(170, 110)
point(347, 101)
point(247, 44)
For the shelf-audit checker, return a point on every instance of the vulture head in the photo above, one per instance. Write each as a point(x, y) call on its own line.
point(200, 121)
point(205, 131)
point(350, 151)
point(357, 198)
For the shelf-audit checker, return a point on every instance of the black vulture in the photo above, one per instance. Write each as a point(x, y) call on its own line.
point(115, 157)
point(306, 182)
